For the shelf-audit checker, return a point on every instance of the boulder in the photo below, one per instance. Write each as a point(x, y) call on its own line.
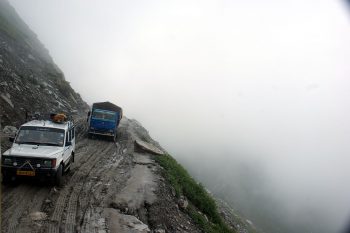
point(37, 216)
point(182, 203)
point(147, 147)
point(9, 130)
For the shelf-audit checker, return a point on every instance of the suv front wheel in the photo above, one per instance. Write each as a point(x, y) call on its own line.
point(6, 179)
point(59, 178)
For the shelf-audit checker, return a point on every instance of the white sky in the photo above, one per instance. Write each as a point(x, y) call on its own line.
point(270, 78)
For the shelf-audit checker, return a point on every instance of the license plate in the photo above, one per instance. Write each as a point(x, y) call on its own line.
point(25, 173)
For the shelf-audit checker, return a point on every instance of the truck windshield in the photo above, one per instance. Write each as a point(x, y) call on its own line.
point(103, 115)
point(40, 136)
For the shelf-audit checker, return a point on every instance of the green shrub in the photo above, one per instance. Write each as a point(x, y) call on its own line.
point(185, 185)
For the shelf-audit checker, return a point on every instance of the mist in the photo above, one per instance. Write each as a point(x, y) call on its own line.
point(251, 97)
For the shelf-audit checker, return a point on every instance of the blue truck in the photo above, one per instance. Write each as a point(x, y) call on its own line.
point(104, 119)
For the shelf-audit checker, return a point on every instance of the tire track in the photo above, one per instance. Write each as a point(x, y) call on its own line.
point(68, 200)
point(73, 202)
point(9, 196)
point(23, 206)
point(25, 221)
point(65, 193)
point(104, 178)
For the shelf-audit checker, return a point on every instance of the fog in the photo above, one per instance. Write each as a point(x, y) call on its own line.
point(252, 97)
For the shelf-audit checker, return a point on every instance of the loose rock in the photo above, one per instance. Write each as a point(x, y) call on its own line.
point(183, 203)
point(37, 216)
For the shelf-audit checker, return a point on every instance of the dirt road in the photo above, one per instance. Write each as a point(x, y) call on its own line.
point(110, 188)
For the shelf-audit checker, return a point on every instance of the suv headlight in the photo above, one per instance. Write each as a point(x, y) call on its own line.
point(49, 163)
point(7, 161)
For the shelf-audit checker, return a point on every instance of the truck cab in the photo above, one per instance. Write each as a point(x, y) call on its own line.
point(104, 119)
point(43, 149)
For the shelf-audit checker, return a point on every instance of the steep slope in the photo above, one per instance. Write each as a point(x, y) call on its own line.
point(112, 187)
point(29, 79)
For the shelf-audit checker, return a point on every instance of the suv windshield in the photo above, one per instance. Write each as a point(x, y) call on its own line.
point(40, 136)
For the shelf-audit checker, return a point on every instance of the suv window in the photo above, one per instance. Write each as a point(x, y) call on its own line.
point(67, 136)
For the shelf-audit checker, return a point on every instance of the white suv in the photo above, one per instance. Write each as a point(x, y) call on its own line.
point(42, 149)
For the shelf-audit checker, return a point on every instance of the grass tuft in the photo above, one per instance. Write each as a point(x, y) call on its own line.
point(199, 199)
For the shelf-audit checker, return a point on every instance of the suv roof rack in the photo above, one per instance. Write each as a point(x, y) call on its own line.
point(54, 117)
point(58, 117)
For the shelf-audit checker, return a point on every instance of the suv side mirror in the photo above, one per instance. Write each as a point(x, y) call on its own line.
point(11, 139)
point(68, 143)
point(88, 115)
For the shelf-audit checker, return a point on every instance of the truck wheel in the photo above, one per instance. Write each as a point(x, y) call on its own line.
point(59, 178)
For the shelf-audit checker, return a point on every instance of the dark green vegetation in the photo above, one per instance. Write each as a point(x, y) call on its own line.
point(198, 197)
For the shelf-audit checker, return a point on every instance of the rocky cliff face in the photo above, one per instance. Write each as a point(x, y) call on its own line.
point(29, 79)
point(112, 187)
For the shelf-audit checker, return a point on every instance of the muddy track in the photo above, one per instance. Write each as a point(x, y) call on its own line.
point(98, 164)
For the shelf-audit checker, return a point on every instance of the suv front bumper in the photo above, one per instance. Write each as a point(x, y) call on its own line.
point(41, 173)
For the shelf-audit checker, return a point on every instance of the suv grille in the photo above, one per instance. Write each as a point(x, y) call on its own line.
point(33, 161)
